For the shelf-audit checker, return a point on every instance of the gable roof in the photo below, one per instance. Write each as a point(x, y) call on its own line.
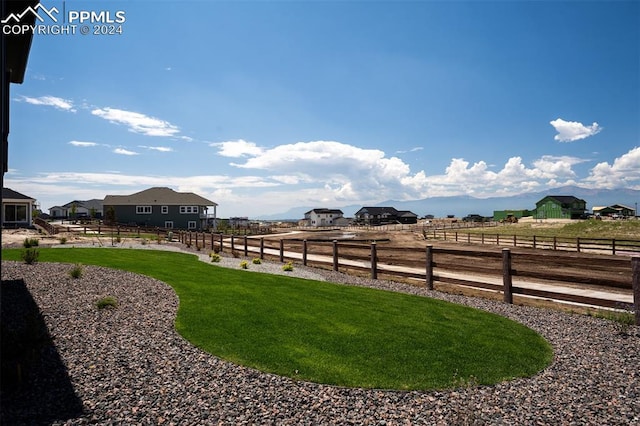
point(88, 204)
point(10, 194)
point(562, 199)
point(158, 196)
point(377, 211)
point(325, 211)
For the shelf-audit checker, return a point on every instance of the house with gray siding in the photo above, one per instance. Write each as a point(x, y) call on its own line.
point(161, 207)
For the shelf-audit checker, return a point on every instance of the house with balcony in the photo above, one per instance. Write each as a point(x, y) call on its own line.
point(161, 207)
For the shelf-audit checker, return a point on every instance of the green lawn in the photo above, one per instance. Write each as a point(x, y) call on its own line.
point(329, 333)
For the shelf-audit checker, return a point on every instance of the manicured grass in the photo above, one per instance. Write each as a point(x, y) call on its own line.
point(329, 333)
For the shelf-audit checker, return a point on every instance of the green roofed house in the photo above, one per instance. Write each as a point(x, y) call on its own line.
point(560, 207)
point(162, 208)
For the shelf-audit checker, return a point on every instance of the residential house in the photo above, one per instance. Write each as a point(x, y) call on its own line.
point(161, 207)
point(560, 207)
point(17, 209)
point(384, 215)
point(616, 210)
point(78, 209)
point(325, 217)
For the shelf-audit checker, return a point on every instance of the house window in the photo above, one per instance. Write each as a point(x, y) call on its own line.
point(188, 209)
point(164, 209)
point(143, 209)
point(15, 213)
point(168, 224)
point(191, 224)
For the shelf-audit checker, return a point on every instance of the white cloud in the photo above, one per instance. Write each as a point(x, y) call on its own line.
point(137, 122)
point(58, 103)
point(569, 131)
point(158, 148)
point(623, 173)
point(82, 144)
point(238, 148)
point(123, 151)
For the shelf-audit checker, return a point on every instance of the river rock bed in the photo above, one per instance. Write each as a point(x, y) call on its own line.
point(128, 365)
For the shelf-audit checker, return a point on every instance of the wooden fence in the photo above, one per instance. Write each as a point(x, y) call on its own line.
point(486, 269)
point(578, 244)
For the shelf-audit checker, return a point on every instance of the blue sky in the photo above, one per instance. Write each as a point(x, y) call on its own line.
point(262, 106)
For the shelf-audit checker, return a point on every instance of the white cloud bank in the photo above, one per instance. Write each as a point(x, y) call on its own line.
point(82, 144)
point(570, 131)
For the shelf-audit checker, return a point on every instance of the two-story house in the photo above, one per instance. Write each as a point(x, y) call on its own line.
point(160, 207)
point(384, 215)
point(324, 217)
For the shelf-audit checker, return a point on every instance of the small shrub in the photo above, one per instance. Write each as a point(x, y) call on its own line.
point(107, 302)
point(30, 255)
point(215, 257)
point(30, 242)
point(76, 271)
point(62, 240)
point(287, 267)
point(256, 261)
point(244, 264)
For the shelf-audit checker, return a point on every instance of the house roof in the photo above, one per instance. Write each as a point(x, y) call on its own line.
point(325, 211)
point(157, 196)
point(10, 194)
point(406, 213)
point(88, 204)
point(562, 199)
point(378, 211)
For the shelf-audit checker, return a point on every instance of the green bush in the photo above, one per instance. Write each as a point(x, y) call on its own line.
point(76, 271)
point(30, 255)
point(256, 261)
point(107, 302)
point(63, 240)
point(215, 257)
point(30, 242)
point(244, 264)
point(288, 267)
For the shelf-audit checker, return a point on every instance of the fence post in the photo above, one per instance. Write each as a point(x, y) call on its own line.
point(468, 238)
point(613, 246)
point(374, 261)
point(221, 242)
point(482, 235)
point(429, 267)
point(578, 244)
point(497, 239)
point(262, 248)
point(335, 255)
point(281, 250)
point(233, 243)
point(555, 243)
point(506, 276)
point(635, 266)
point(190, 237)
point(304, 252)
point(534, 241)
point(515, 241)
point(246, 249)
point(456, 236)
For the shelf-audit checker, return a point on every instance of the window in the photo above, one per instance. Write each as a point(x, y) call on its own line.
point(164, 209)
point(15, 213)
point(143, 209)
point(168, 224)
point(191, 224)
point(188, 209)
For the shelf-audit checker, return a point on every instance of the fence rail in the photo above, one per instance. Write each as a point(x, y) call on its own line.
point(541, 275)
point(579, 244)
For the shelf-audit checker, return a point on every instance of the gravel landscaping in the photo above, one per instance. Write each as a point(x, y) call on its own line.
point(127, 365)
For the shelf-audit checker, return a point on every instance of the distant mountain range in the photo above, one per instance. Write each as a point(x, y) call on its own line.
point(463, 205)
